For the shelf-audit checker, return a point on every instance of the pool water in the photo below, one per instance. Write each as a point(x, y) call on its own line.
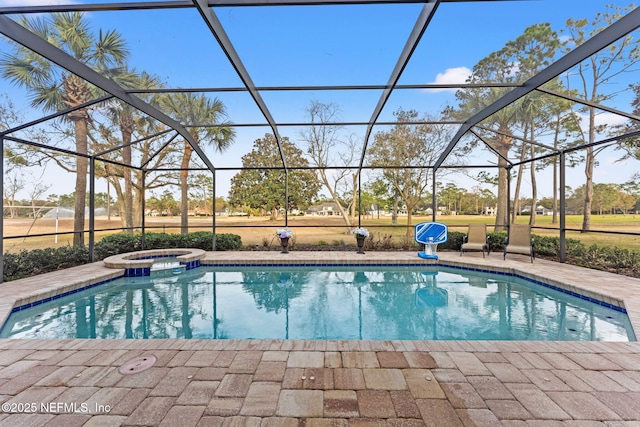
point(355, 303)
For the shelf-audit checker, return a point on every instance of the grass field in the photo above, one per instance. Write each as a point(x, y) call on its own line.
point(317, 230)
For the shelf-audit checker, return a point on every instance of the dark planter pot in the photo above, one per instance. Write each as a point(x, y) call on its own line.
point(360, 241)
point(284, 242)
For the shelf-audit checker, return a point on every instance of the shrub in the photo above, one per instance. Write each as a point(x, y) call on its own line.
point(496, 240)
point(266, 241)
point(454, 241)
point(613, 259)
point(550, 246)
point(116, 244)
point(29, 263)
point(377, 241)
point(122, 242)
point(199, 239)
point(228, 242)
point(159, 241)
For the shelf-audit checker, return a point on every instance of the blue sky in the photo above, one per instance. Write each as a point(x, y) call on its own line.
point(323, 45)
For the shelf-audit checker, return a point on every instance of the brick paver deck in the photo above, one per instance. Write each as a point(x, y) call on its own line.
point(268, 383)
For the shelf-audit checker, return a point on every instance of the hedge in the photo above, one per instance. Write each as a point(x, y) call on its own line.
point(29, 263)
point(608, 258)
point(124, 242)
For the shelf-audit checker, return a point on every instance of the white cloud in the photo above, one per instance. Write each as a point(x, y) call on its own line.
point(602, 119)
point(456, 75)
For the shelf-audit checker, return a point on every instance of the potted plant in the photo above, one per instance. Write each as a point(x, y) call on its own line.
point(361, 233)
point(284, 234)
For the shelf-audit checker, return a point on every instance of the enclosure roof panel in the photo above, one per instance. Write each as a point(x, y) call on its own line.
point(267, 60)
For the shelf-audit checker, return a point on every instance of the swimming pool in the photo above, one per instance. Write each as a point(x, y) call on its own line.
point(350, 303)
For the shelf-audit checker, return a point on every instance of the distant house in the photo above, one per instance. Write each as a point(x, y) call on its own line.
point(323, 209)
point(376, 209)
point(489, 210)
point(294, 211)
point(540, 210)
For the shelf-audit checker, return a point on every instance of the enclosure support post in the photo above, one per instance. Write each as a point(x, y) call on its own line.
point(215, 308)
point(2, 219)
point(359, 196)
point(509, 216)
point(434, 200)
point(213, 210)
point(286, 198)
point(92, 206)
point(563, 232)
point(144, 198)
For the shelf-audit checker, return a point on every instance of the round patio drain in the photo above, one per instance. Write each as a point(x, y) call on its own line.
point(137, 364)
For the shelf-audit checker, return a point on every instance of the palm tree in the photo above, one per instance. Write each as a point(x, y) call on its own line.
point(197, 110)
point(514, 63)
point(127, 120)
point(53, 89)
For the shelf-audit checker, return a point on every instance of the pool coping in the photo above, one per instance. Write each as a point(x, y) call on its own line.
point(610, 288)
point(139, 263)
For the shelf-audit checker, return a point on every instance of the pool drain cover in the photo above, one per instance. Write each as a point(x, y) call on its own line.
point(137, 364)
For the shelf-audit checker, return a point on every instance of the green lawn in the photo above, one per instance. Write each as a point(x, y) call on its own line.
point(311, 230)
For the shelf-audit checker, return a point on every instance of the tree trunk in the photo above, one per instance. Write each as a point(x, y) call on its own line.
point(588, 172)
point(534, 185)
point(394, 214)
point(137, 208)
point(554, 214)
point(128, 186)
point(108, 200)
point(588, 194)
point(336, 199)
point(184, 189)
point(534, 188)
point(82, 164)
point(502, 215)
point(120, 196)
point(114, 182)
point(137, 199)
point(354, 194)
point(516, 193)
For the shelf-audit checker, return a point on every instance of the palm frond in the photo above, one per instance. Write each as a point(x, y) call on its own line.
point(47, 97)
point(38, 25)
point(73, 34)
point(110, 50)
